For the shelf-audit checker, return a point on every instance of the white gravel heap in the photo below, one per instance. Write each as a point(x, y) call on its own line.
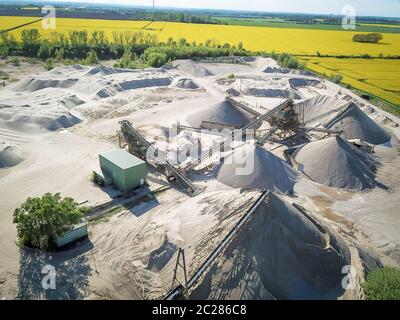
point(281, 253)
point(223, 112)
point(269, 172)
point(357, 125)
point(9, 155)
point(335, 162)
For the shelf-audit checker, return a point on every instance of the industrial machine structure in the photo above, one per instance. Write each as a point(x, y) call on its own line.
point(139, 146)
point(284, 124)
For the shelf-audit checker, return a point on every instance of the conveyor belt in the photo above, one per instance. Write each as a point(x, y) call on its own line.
point(177, 292)
point(239, 133)
point(130, 131)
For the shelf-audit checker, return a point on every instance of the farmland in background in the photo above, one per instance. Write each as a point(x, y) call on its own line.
point(12, 22)
point(294, 41)
point(379, 77)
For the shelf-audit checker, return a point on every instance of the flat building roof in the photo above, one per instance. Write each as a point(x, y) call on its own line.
point(122, 158)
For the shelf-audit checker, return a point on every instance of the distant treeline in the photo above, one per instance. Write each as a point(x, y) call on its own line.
point(122, 14)
point(368, 38)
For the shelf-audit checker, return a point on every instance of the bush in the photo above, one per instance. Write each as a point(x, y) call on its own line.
point(288, 61)
point(44, 50)
point(4, 50)
point(91, 57)
point(16, 62)
point(94, 178)
point(292, 63)
point(383, 284)
point(59, 54)
point(41, 220)
point(157, 59)
point(337, 78)
point(49, 64)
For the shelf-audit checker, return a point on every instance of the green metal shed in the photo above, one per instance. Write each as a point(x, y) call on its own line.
point(124, 169)
point(77, 232)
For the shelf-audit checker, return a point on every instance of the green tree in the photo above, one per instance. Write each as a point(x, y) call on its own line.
point(182, 42)
point(126, 59)
point(30, 42)
point(91, 57)
point(383, 284)
point(4, 50)
point(170, 41)
point(59, 54)
point(49, 64)
point(157, 59)
point(16, 62)
point(337, 78)
point(44, 50)
point(368, 38)
point(41, 220)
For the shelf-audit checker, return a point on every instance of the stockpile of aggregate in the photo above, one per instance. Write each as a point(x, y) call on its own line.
point(223, 112)
point(335, 162)
point(281, 253)
point(252, 167)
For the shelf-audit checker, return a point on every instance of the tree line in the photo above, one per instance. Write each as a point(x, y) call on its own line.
point(133, 48)
point(367, 38)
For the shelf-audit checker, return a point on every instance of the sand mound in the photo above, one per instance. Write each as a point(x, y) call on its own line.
point(276, 70)
point(357, 125)
point(186, 84)
point(9, 156)
point(232, 92)
point(72, 101)
point(260, 63)
point(191, 67)
point(269, 172)
point(335, 162)
point(48, 121)
point(31, 84)
point(318, 106)
point(301, 83)
point(271, 93)
point(223, 112)
point(103, 71)
point(67, 69)
point(281, 253)
point(131, 85)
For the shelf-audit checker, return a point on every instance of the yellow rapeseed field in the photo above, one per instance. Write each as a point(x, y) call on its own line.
point(295, 41)
point(10, 22)
point(379, 77)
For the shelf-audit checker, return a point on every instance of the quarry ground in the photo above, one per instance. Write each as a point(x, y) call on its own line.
point(54, 124)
